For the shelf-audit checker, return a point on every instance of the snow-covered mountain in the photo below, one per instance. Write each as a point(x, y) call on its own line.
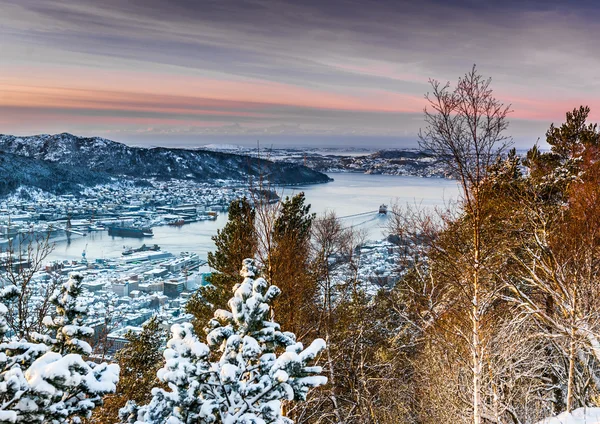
point(20, 171)
point(116, 159)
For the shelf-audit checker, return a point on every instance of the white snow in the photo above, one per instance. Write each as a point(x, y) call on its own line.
point(578, 416)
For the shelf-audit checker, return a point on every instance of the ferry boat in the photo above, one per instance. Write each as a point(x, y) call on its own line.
point(383, 209)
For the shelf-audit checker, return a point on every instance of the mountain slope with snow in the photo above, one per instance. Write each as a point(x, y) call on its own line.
point(117, 159)
point(18, 171)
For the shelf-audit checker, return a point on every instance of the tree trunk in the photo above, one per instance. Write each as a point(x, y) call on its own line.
point(571, 379)
point(477, 360)
point(332, 382)
point(477, 366)
point(557, 392)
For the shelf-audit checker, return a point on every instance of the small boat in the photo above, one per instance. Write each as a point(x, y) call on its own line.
point(383, 209)
point(207, 216)
point(176, 222)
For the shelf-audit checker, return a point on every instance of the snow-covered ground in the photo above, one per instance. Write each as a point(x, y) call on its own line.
point(578, 416)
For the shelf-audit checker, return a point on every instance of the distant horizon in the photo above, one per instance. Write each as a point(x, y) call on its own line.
point(337, 142)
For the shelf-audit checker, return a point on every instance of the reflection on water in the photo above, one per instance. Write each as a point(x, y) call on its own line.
point(349, 194)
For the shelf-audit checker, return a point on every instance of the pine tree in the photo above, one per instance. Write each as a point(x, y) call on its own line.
point(12, 356)
point(557, 261)
point(256, 366)
point(288, 265)
point(235, 242)
point(139, 362)
point(67, 325)
point(574, 148)
point(50, 382)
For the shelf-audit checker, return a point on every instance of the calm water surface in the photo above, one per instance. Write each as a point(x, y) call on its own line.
point(349, 194)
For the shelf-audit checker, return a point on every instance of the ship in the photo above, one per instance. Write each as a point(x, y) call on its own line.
point(176, 222)
point(207, 216)
point(143, 248)
point(383, 209)
point(128, 231)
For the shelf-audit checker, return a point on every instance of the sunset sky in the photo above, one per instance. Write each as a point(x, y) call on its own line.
point(197, 71)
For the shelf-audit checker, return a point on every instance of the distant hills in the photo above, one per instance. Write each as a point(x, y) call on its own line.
point(60, 162)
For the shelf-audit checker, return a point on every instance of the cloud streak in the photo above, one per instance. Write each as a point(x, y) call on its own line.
point(322, 67)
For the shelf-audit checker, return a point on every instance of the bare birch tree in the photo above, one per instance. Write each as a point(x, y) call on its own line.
point(465, 128)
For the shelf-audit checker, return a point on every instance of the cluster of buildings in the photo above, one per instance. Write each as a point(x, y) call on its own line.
point(405, 162)
point(121, 294)
point(379, 163)
point(376, 264)
point(118, 203)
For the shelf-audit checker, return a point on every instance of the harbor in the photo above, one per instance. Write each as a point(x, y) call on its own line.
point(140, 259)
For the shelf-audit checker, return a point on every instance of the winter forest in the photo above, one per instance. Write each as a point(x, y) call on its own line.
point(495, 319)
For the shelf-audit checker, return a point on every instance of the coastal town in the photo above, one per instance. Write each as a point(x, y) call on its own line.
point(125, 290)
point(408, 162)
point(120, 207)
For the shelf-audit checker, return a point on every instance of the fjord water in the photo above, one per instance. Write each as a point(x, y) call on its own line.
point(348, 194)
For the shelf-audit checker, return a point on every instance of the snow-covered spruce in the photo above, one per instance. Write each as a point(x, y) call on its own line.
point(49, 382)
point(243, 373)
point(67, 325)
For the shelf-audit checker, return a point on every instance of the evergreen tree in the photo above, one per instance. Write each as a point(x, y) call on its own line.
point(288, 265)
point(257, 366)
point(13, 355)
point(50, 382)
point(67, 325)
point(574, 148)
point(235, 242)
point(139, 362)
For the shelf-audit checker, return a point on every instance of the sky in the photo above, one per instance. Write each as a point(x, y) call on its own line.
point(318, 72)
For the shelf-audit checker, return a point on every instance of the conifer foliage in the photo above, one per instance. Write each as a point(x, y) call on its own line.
point(68, 323)
point(235, 242)
point(49, 381)
point(288, 264)
point(241, 375)
point(139, 360)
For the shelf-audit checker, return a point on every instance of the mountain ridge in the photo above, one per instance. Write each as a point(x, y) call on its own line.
point(110, 158)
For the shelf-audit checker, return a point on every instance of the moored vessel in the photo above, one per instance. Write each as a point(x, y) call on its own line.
point(128, 231)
